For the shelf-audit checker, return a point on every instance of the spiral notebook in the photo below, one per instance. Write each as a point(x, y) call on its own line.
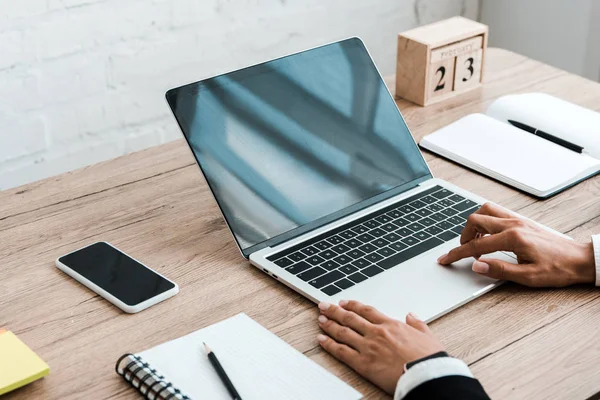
point(489, 144)
point(260, 365)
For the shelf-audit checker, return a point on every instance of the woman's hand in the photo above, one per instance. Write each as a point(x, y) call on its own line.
point(372, 344)
point(545, 259)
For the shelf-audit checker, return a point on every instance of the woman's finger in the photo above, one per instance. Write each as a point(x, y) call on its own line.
point(494, 210)
point(344, 317)
point(485, 245)
point(483, 224)
point(505, 271)
point(344, 353)
point(415, 322)
point(341, 334)
point(369, 313)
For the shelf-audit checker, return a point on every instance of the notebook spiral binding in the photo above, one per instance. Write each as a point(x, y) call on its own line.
point(146, 380)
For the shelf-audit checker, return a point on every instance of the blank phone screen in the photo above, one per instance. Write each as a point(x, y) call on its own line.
point(117, 273)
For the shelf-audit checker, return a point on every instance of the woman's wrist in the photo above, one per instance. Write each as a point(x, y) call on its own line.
point(584, 263)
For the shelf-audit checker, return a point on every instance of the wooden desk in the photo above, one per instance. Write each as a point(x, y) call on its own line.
point(522, 343)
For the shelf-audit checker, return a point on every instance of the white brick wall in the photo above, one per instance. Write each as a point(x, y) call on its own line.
point(82, 81)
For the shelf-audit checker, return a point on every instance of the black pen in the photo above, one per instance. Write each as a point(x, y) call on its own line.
point(221, 372)
point(547, 136)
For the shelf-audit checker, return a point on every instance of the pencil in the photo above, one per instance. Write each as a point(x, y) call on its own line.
point(221, 372)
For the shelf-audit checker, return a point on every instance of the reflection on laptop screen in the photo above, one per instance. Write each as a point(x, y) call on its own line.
point(296, 139)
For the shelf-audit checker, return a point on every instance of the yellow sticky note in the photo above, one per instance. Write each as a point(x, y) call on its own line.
point(19, 365)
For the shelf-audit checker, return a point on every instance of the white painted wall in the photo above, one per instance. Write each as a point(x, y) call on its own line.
point(83, 80)
point(563, 33)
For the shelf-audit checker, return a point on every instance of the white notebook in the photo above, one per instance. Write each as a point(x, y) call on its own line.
point(259, 364)
point(487, 143)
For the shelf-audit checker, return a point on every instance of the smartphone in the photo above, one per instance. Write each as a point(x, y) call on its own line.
point(119, 278)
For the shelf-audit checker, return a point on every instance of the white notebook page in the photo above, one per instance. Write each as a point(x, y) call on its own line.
point(509, 154)
point(260, 365)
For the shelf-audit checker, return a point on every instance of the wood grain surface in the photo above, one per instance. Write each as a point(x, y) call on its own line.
point(522, 343)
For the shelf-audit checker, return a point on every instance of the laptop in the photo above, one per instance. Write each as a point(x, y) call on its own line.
point(322, 185)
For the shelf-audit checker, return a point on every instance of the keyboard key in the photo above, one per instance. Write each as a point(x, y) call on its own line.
point(389, 227)
point(410, 241)
point(367, 248)
point(449, 212)
point(377, 232)
point(297, 256)
point(348, 269)
point(445, 225)
point(417, 204)
point(310, 251)
point(435, 207)
point(456, 198)
point(326, 279)
point(344, 283)
point(330, 265)
point(456, 220)
point(373, 257)
point(457, 229)
point(428, 199)
point(353, 243)
point(380, 242)
point(315, 260)
point(340, 248)
point(470, 211)
point(323, 245)
point(448, 235)
point(438, 217)
point(392, 237)
point(355, 253)
point(386, 251)
point(412, 217)
point(383, 219)
point(311, 274)
point(365, 237)
point(361, 263)
point(404, 232)
point(406, 209)
point(401, 222)
point(409, 253)
point(360, 229)
point(446, 203)
point(372, 270)
point(331, 290)
point(427, 221)
point(328, 254)
point(335, 239)
point(297, 268)
point(395, 214)
point(433, 230)
point(423, 212)
point(372, 224)
point(440, 194)
point(348, 234)
point(465, 205)
point(343, 259)
point(398, 246)
point(422, 235)
point(284, 262)
point(415, 227)
point(357, 277)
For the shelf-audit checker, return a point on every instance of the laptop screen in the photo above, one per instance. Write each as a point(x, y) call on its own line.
point(293, 143)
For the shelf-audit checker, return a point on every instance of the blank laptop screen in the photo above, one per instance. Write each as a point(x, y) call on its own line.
point(294, 142)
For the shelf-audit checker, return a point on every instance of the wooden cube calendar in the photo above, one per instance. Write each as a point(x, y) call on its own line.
point(440, 60)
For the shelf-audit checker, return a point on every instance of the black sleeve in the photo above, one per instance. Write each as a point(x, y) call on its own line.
point(449, 388)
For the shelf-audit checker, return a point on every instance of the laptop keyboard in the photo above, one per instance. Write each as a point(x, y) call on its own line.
point(361, 249)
